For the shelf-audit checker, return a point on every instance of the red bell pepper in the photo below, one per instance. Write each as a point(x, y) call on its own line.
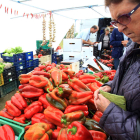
point(53, 115)
point(64, 76)
point(68, 118)
point(93, 87)
point(97, 135)
point(12, 109)
point(20, 119)
point(64, 91)
point(31, 91)
point(87, 76)
point(37, 69)
point(86, 81)
point(19, 101)
point(35, 107)
point(42, 67)
point(24, 78)
point(91, 104)
point(57, 77)
point(63, 134)
point(39, 55)
point(6, 133)
point(38, 81)
point(49, 87)
point(69, 72)
point(72, 108)
point(74, 132)
point(56, 101)
point(80, 72)
point(99, 74)
point(55, 134)
point(44, 101)
point(40, 117)
point(77, 98)
point(97, 116)
point(78, 85)
point(45, 74)
point(6, 114)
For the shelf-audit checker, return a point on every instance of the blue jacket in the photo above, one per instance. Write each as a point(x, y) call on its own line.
point(115, 41)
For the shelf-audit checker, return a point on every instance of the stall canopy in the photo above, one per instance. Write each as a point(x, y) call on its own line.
point(19, 24)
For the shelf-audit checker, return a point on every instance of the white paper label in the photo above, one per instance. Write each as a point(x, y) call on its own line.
point(20, 59)
point(21, 67)
point(9, 73)
point(29, 57)
point(11, 79)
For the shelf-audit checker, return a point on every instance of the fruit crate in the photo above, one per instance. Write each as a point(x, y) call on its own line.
point(1, 80)
point(18, 130)
point(29, 69)
point(20, 65)
point(28, 55)
point(29, 63)
point(9, 78)
point(14, 58)
point(39, 47)
point(8, 72)
point(20, 72)
point(7, 88)
point(15, 122)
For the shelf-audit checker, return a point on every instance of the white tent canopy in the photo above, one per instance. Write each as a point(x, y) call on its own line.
point(17, 30)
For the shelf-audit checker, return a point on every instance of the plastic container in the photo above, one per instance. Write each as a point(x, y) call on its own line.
point(29, 63)
point(28, 55)
point(8, 72)
point(19, 131)
point(15, 122)
point(14, 58)
point(39, 47)
point(29, 69)
point(10, 78)
point(5, 89)
point(20, 72)
point(20, 65)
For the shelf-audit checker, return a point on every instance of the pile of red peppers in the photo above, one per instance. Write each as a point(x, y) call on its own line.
point(58, 102)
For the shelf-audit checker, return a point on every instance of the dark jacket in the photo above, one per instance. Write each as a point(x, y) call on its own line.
point(120, 124)
point(115, 41)
point(101, 40)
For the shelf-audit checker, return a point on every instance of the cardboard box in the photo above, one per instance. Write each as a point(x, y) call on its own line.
point(44, 59)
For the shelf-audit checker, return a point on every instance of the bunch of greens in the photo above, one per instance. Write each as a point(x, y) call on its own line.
point(11, 51)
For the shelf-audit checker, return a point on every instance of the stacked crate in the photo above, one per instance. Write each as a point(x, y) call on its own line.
point(54, 58)
point(29, 61)
point(35, 62)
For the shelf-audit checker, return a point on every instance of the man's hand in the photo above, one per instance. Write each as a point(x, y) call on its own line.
point(92, 43)
point(104, 88)
point(124, 43)
point(101, 103)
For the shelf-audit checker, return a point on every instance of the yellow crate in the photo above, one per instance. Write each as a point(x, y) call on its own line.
point(1, 80)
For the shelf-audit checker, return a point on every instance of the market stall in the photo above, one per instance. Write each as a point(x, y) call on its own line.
point(54, 86)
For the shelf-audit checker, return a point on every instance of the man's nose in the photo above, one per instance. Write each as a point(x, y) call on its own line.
point(120, 27)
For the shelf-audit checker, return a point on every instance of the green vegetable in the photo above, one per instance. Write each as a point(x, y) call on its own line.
point(105, 79)
point(1, 67)
point(116, 99)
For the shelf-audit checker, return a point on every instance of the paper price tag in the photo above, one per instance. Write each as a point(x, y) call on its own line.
point(9, 73)
point(21, 67)
point(29, 57)
point(10, 79)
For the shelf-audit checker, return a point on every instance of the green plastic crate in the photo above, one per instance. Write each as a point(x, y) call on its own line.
point(7, 88)
point(19, 131)
point(39, 42)
point(15, 122)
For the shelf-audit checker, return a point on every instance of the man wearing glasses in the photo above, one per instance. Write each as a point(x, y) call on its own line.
point(120, 124)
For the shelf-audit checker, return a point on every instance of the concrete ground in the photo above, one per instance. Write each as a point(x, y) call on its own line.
point(6, 98)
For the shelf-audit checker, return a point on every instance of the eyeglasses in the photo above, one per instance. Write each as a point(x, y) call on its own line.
point(124, 19)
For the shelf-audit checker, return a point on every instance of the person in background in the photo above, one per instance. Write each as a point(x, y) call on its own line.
point(105, 39)
point(118, 123)
point(118, 43)
point(85, 34)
